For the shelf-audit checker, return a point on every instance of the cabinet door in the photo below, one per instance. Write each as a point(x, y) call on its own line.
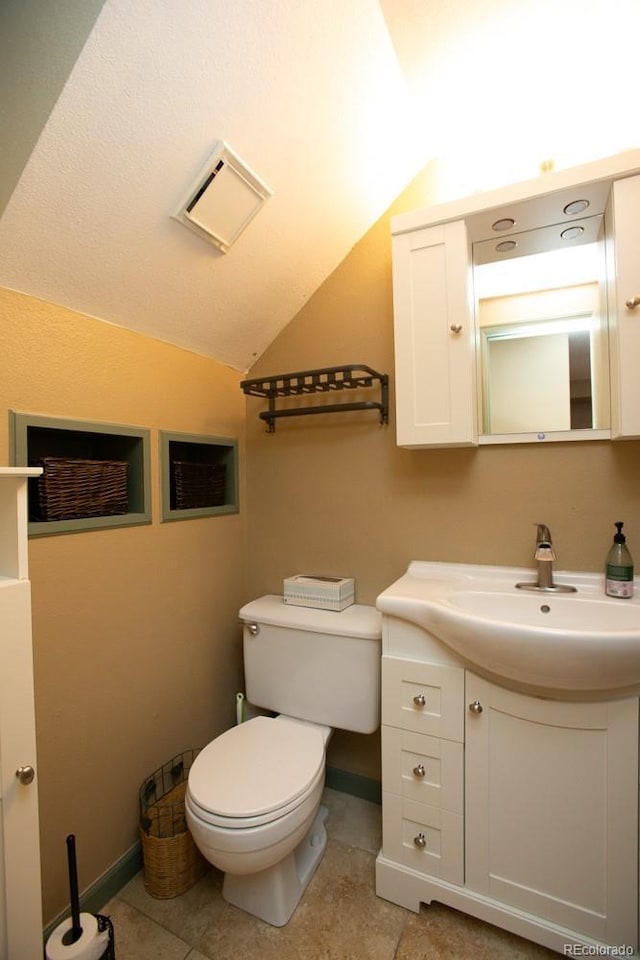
point(434, 338)
point(623, 263)
point(551, 801)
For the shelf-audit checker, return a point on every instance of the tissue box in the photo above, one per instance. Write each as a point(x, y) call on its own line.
point(324, 593)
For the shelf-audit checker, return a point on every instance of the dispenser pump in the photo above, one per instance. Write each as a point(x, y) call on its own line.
point(619, 567)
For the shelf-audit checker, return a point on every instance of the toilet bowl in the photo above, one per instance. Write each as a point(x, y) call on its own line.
point(253, 809)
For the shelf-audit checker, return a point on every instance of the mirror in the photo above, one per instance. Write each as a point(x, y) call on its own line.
point(541, 317)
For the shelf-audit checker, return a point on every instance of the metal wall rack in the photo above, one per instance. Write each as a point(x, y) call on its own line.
point(324, 380)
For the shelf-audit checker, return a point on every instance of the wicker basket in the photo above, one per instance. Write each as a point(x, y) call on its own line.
point(198, 484)
point(172, 862)
point(74, 489)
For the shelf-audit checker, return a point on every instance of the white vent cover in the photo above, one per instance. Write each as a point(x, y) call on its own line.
point(224, 199)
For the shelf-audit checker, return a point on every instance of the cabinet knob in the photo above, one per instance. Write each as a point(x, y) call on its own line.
point(419, 771)
point(632, 303)
point(456, 328)
point(25, 774)
point(419, 700)
point(420, 841)
point(475, 706)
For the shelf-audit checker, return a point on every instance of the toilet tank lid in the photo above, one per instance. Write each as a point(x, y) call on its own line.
point(357, 620)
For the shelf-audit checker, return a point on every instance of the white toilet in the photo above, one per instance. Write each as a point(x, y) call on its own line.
point(253, 797)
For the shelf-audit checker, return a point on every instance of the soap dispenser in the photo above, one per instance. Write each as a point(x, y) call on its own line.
point(619, 567)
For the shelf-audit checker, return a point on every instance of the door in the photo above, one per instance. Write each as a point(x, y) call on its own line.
point(551, 802)
point(20, 829)
point(20, 889)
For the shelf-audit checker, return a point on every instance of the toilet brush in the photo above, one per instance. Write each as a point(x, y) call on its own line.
point(75, 932)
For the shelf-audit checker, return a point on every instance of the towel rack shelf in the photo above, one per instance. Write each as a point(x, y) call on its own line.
point(324, 380)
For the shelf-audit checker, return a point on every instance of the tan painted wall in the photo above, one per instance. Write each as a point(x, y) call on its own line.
point(334, 495)
point(136, 643)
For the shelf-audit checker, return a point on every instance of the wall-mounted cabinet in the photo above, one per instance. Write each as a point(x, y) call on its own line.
point(479, 361)
point(95, 474)
point(199, 475)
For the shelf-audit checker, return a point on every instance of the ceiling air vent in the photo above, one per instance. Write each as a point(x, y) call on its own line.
point(224, 199)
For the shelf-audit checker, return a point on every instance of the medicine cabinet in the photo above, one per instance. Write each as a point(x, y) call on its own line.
point(517, 312)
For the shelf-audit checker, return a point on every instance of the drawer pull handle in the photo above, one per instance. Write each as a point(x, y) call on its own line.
point(419, 700)
point(475, 706)
point(419, 771)
point(420, 841)
point(632, 303)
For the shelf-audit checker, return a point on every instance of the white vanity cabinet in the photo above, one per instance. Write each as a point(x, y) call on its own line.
point(441, 360)
point(519, 810)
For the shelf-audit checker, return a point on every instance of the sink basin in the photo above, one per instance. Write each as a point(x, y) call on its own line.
point(580, 642)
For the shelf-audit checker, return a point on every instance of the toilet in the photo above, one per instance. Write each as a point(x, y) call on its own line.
point(253, 795)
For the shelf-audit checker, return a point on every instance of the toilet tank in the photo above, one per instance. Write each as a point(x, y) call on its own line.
point(315, 665)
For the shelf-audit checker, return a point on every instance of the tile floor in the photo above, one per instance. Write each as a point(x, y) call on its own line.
point(339, 917)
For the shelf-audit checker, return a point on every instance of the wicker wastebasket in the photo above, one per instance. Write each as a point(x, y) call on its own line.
point(172, 862)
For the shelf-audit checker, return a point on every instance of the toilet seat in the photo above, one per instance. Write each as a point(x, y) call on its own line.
point(256, 772)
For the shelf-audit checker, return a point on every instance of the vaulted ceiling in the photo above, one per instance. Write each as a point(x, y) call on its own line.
point(114, 106)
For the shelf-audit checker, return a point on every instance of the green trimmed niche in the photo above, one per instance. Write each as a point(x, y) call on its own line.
point(199, 475)
point(35, 437)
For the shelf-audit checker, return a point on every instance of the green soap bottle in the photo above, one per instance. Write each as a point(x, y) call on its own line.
point(619, 567)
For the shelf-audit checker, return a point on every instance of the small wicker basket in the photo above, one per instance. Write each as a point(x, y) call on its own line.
point(172, 862)
point(198, 484)
point(71, 489)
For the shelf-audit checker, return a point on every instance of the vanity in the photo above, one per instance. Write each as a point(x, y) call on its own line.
point(517, 312)
point(510, 754)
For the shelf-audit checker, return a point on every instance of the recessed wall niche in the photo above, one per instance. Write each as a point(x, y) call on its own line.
point(97, 475)
point(199, 475)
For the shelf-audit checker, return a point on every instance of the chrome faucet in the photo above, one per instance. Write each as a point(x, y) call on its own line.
point(544, 557)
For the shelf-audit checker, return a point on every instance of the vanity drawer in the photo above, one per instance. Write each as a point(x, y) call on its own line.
point(423, 697)
point(422, 837)
point(421, 768)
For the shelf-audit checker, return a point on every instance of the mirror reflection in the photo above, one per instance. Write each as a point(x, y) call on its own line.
point(542, 327)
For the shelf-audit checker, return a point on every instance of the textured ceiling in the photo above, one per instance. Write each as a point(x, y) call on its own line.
point(310, 95)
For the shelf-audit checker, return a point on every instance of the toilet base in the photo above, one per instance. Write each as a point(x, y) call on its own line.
point(273, 894)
